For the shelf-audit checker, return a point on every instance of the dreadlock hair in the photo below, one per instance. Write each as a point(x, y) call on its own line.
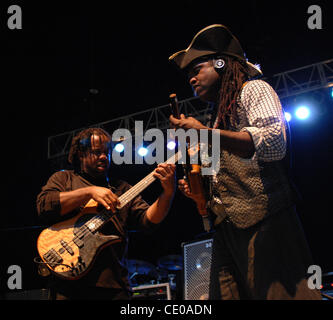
point(82, 143)
point(233, 76)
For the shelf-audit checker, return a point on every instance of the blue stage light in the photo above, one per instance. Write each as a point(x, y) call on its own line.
point(302, 113)
point(142, 151)
point(171, 145)
point(119, 147)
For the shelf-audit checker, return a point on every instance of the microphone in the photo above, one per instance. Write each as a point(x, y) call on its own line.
point(192, 173)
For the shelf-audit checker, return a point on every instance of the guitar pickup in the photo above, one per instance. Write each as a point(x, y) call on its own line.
point(67, 247)
point(78, 242)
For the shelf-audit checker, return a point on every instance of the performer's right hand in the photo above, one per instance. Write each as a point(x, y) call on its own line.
point(105, 197)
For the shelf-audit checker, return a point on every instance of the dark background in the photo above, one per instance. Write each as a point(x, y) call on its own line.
point(122, 49)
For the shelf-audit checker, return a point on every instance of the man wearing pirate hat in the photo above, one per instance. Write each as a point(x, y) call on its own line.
point(259, 249)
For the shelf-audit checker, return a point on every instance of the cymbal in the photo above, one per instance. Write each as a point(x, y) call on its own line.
point(171, 262)
point(140, 267)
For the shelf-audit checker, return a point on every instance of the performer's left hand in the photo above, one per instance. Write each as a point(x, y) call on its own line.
point(186, 123)
point(166, 174)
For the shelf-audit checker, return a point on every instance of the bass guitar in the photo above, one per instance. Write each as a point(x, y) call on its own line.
point(69, 248)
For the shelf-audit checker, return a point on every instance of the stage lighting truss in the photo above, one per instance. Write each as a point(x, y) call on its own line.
point(301, 80)
point(287, 84)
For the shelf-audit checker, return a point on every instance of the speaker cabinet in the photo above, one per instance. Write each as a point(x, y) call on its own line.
point(196, 273)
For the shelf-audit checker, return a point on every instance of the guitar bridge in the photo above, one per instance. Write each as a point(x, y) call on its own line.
point(52, 258)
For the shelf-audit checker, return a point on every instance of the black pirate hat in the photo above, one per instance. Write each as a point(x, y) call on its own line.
point(213, 40)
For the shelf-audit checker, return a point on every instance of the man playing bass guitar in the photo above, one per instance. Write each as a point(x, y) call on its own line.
point(68, 191)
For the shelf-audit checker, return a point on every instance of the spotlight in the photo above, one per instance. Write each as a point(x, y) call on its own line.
point(171, 145)
point(142, 151)
point(287, 115)
point(302, 113)
point(119, 147)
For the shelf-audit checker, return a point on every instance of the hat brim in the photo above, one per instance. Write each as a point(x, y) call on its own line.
point(186, 57)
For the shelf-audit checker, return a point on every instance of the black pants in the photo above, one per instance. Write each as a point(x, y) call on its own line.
point(266, 261)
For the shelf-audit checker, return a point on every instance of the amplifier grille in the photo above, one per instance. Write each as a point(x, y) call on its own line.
point(197, 262)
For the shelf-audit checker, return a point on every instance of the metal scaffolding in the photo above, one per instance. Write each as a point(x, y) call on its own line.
point(59, 145)
point(301, 80)
point(286, 84)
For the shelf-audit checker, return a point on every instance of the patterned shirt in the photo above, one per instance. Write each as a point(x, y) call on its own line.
point(247, 190)
point(265, 117)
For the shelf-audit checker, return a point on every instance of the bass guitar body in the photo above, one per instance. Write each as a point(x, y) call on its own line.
point(69, 248)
